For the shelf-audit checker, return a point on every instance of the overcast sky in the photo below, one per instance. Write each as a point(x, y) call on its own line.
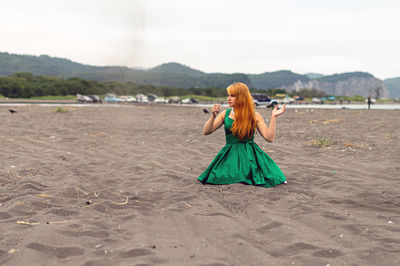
point(252, 36)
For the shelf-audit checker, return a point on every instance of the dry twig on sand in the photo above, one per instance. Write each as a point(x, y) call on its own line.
point(26, 223)
point(84, 192)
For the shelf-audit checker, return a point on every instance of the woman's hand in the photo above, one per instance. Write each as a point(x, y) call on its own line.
point(279, 111)
point(215, 110)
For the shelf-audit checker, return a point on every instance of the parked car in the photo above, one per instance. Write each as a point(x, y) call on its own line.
point(151, 97)
point(316, 100)
point(190, 100)
point(160, 100)
point(127, 99)
point(95, 98)
point(174, 100)
point(299, 98)
point(83, 98)
point(111, 98)
point(286, 100)
point(141, 98)
point(260, 99)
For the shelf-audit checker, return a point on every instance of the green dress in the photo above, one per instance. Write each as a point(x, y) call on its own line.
point(242, 161)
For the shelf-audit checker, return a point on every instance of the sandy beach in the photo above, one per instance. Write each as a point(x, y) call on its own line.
point(106, 185)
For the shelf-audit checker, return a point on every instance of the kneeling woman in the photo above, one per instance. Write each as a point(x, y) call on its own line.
point(241, 160)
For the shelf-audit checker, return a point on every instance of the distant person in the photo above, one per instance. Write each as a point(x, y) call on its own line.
point(241, 160)
point(369, 102)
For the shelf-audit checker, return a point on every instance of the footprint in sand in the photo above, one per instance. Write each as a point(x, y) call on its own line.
point(328, 253)
point(5, 215)
point(59, 252)
point(270, 226)
point(136, 252)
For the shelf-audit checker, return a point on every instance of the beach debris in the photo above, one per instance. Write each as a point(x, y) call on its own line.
point(12, 111)
point(11, 251)
point(90, 203)
point(18, 203)
point(120, 203)
point(222, 191)
point(26, 223)
point(188, 205)
point(336, 120)
point(80, 190)
point(153, 246)
point(60, 222)
point(390, 222)
point(12, 166)
point(97, 195)
point(44, 196)
point(98, 246)
point(205, 111)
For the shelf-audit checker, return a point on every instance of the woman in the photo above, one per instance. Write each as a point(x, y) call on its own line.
point(241, 160)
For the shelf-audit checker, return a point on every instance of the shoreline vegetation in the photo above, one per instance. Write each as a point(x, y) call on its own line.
point(26, 86)
point(202, 99)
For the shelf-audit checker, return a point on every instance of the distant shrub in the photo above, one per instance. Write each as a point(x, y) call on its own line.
point(61, 110)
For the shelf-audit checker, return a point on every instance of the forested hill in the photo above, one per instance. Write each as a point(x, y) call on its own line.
point(170, 74)
point(393, 85)
point(176, 69)
point(276, 79)
point(181, 76)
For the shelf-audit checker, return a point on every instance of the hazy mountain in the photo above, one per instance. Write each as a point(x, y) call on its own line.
point(347, 84)
point(177, 69)
point(393, 86)
point(313, 75)
point(276, 79)
point(181, 76)
point(41, 65)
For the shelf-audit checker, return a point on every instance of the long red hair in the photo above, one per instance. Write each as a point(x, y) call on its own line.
point(245, 119)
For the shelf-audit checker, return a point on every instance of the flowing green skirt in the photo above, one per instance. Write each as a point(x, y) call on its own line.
point(243, 162)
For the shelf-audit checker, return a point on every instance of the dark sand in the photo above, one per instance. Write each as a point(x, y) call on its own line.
point(117, 186)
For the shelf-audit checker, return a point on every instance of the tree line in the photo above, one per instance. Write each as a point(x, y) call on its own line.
point(26, 85)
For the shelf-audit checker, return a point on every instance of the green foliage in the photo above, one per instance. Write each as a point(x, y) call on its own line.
point(344, 76)
point(172, 75)
point(54, 97)
point(356, 98)
point(314, 75)
point(61, 110)
point(25, 85)
point(276, 79)
point(320, 141)
point(176, 68)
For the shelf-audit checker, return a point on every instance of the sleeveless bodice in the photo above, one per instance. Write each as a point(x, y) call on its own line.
point(241, 161)
point(230, 138)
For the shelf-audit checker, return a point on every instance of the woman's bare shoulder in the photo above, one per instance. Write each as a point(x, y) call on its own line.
point(222, 114)
point(259, 117)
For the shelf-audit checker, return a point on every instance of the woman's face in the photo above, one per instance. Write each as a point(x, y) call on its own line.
point(231, 100)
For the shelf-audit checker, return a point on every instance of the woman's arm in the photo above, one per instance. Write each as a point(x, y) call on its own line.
point(268, 133)
point(214, 122)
